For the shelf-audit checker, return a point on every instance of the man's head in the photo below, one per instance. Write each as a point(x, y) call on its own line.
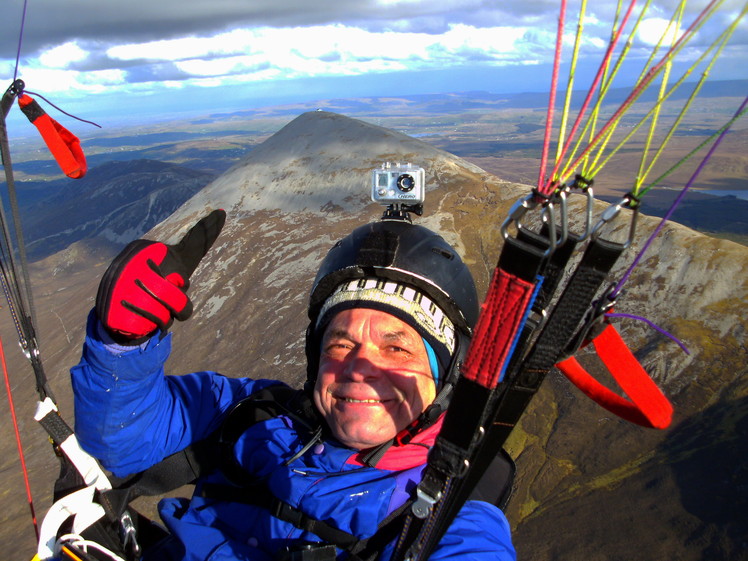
point(391, 309)
point(374, 377)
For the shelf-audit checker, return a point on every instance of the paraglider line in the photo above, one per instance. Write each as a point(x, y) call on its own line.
point(653, 326)
point(672, 208)
point(24, 469)
point(20, 40)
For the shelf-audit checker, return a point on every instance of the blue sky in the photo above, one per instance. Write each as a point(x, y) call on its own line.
point(135, 58)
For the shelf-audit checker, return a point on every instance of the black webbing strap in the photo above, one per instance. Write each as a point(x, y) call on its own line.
point(555, 264)
point(505, 406)
point(471, 403)
point(592, 271)
point(56, 427)
point(553, 272)
point(179, 469)
point(260, 495)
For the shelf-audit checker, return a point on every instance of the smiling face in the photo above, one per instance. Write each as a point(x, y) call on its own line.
point(374, 377)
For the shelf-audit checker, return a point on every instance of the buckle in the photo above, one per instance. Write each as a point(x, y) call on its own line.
point(424, 503)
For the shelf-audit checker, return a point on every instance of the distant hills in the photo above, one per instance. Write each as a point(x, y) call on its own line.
point(725, 216)
point(501, 133)
point(114, 202)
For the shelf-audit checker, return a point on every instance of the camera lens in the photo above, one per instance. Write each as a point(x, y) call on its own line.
point(406, 182)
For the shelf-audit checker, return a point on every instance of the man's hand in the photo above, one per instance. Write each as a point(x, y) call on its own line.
point(145, 287)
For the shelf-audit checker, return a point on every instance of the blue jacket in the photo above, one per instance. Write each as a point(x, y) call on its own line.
point(130, 416)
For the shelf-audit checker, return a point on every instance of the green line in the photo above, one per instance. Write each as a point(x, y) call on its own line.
point(694, 151)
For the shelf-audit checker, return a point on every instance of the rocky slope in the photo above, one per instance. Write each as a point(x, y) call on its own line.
point(590, 486)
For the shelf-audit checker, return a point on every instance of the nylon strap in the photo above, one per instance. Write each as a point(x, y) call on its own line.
point(646, 405)
point(510, 296)
point(508, 301)
point(443, 488)
point(260, 495)
point(592, 271)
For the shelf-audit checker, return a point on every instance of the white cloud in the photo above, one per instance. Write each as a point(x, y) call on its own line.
point(267, 52)
point(326, 50)
point(63, 55)
point(652, 31)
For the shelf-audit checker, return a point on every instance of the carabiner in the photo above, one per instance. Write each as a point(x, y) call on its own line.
point(585, 186)
point(612, 212)
point(560, 199)
point(518, 210)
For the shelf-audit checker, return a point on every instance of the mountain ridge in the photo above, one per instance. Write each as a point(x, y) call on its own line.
point(114, 202)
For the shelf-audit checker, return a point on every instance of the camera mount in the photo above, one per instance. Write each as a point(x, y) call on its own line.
point(402, 212)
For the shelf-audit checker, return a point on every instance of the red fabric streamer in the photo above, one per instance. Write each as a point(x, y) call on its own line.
point(64, 145)
point(646, 405)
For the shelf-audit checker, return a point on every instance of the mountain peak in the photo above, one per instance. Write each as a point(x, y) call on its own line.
point(318, 161)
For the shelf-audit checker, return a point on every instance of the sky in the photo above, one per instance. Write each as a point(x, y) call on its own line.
point(136, 58)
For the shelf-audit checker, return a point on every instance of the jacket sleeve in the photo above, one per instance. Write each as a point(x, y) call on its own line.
point(130, 415)
point(479, 532)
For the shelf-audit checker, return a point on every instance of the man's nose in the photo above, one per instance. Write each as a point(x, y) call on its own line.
point(362, 363)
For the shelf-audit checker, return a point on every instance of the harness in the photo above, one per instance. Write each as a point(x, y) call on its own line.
point(216, 453)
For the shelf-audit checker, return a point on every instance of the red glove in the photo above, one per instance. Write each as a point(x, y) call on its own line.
point(145, 287)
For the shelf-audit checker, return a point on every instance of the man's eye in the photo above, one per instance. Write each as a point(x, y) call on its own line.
point(337, 347)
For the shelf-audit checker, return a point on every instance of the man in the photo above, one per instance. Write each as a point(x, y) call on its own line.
point(391, 312)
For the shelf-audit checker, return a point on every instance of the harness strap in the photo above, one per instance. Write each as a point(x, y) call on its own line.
point(447, 479)
point(646, 405)
point(81, 504)
point(261, 496)
point(592, 271)
point(513, 288)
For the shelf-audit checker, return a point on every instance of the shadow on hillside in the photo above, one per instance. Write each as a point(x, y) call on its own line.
point(707, 454)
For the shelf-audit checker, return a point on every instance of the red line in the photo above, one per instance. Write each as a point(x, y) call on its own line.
point(593, 87)
point(552, 99)
point(18, 440)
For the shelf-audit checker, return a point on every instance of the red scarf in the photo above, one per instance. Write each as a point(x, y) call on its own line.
point(407, 456)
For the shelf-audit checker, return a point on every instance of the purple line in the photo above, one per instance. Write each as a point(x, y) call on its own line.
point(20, 39)
point(653, 326)
point(671, 210)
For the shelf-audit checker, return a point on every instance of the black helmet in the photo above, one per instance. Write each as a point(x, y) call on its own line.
point(398, 251)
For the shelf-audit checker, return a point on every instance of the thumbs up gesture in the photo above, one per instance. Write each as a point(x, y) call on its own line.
point(145, 287)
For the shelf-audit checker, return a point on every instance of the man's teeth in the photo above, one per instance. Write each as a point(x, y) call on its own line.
point(351, 400)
